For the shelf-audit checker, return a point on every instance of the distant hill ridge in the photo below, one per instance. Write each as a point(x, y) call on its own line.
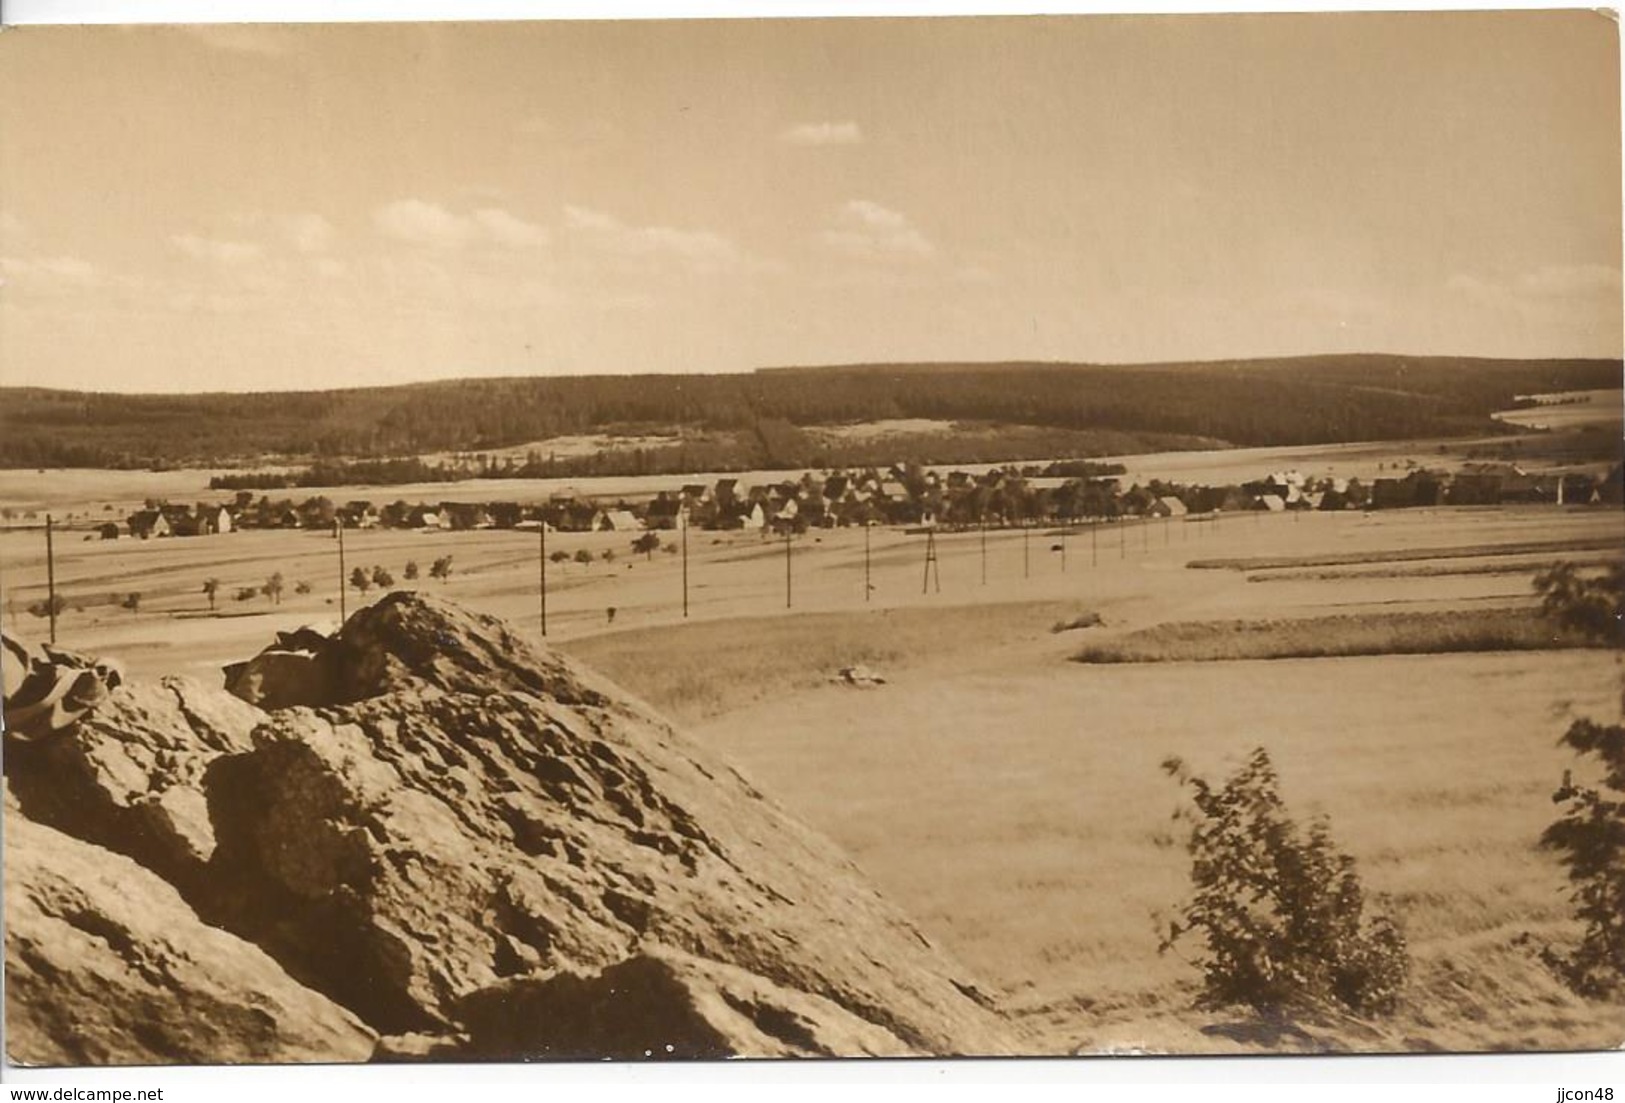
point(1287, 400)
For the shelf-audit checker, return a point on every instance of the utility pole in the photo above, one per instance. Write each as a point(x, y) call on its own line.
point(683, 519)
point(50, 576)
point(867, 588)
point(984, 550)
point(787, 535)
point(338, 529)
point(931, 566)
point(541, 572)
point(1026, 554)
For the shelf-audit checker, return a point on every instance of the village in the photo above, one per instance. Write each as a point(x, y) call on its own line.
point(906, 495)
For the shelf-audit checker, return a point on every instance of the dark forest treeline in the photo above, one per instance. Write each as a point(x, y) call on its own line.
point(1306, 400)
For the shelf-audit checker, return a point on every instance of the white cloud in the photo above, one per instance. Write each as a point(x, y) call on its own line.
point(865, 229)
point(216, 250)
point(422, 223)
point(57, 271)
point(822, 134)
point(1550, 286)
point(430, 224)
point(1564, 280)
point(504, 229)
point(701, 250)
point(309, 233)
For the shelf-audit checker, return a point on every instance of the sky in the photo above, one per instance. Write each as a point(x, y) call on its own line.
point(236, 208)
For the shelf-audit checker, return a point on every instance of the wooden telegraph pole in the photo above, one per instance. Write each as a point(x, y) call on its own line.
point(338, 529)
point(867, 588)
point(787, 535)
point(541, 571)
point(984, 550)
point(50, 575)
point(683, 519)
point(931, 567)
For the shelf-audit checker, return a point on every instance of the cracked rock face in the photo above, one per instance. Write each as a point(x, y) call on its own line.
point(105, 964)
point(484, 851)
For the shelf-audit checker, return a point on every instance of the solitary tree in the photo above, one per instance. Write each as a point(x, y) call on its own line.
point(361, 580)
point(132, 602)
point(411, 571)
point(647, 543)
point(584, 556)
point(441, 568)
point(382, 579)
point(211, 586)
point(301, 587)
point(1279, 912)
point(609, 555)
point(273, 588)
point(560, 556)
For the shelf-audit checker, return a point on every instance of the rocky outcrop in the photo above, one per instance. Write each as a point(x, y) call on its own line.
point(483, 850)
point(666, 1005)
point(105, 964)
point(129, 776)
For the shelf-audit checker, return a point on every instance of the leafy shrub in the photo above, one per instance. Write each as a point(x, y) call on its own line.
point(1279, 910)
point(1589, 835)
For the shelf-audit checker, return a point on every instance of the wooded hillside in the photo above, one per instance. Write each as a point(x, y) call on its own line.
point(1307, 400)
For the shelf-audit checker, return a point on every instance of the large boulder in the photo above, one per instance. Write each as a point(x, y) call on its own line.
point(464, 811)
point(105, 964)
point(129, 776)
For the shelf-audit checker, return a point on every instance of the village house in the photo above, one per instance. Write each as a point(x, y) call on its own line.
point(147, 524)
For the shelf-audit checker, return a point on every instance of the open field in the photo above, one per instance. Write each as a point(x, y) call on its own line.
point(1007, 798)
point(1567, 410)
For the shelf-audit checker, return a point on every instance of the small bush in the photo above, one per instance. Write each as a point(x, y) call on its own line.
point(1279, 911)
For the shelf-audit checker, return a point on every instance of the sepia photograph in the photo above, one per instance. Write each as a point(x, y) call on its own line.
point(675, 539)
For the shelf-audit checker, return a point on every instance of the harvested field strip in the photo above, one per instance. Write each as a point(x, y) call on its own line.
point(1340, 559)
point(1327, 637)
point(1439, 571)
